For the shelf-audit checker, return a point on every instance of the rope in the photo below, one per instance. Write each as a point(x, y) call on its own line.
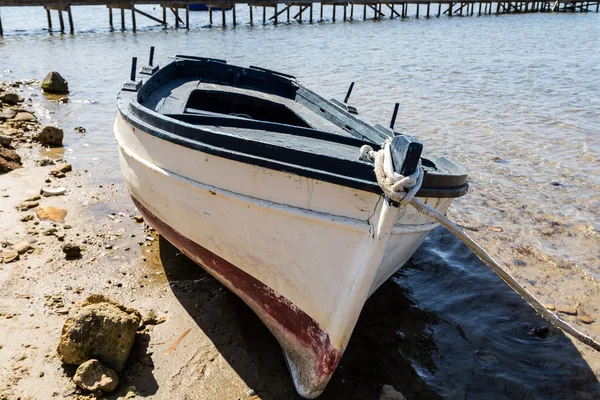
point(394, 186)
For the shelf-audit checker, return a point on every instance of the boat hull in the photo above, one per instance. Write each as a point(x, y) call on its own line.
point(303, 254)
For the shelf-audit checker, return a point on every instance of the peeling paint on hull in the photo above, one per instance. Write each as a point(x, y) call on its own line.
point(309, 354)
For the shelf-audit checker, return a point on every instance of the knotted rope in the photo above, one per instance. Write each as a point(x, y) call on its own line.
point(395, 185)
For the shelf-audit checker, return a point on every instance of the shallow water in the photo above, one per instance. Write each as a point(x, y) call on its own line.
point(514, 98)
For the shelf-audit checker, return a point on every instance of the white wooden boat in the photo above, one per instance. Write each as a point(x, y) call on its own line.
point(258, 180)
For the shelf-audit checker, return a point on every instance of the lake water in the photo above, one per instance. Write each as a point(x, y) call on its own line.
point(514, 98)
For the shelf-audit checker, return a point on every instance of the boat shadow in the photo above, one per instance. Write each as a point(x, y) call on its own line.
point(445, 326)
point(390, 331)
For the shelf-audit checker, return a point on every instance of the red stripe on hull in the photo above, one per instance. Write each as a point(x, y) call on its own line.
point(306, 344)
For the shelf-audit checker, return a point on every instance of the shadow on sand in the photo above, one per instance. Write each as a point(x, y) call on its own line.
point(434, 330)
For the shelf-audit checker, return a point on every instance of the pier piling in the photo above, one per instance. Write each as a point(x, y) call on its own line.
point(452, 7)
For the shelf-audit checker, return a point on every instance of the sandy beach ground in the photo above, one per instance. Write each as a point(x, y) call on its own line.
point(228, 353)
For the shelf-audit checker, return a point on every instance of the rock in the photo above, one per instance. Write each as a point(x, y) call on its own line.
point(71, 251)
point(102, 329)
point(138, 218)
point(63, 100)
point(80, 129)
point(61, 169)
point(24, 116)
point(9, 160)
point(22, 247)
point(26, 205)
point(389, 393)
point(44, 162)
point(586, 319)
point(130, 393)
point(9, 256)
point(5, 141)
point(54, 83)
point(50, 135)
point(9, 113)
point(567, 309)
point(52, 213)
point(9, 98)
point(92, 376)
point(26, 218)
point(47, 192)
point(33, 197)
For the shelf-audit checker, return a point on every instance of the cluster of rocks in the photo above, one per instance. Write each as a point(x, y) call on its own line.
point(98, 339)
point(19, 125)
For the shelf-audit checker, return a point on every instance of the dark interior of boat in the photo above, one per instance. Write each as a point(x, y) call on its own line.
point(267, 118)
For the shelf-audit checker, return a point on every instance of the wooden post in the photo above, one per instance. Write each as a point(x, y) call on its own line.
point(351, 11)
point(223, 16)
point(176, 11)
point(498, 7)
point(49, 19)
point(164, 15)
point(450, 9)
point(1, 31)
point(288, 13)
point(597, 5)
point(417, 10)
point(472, 7)
point(251, 21)
point(62, 22)
point(344, 12)
point(133, 19)
point(210, 15)
point(264, 15)
point(479, 13)
point(187, 16)
point(439, 9)
point(428, 5)
point(365, 12)
point(122, 19)
point(310, 20)
point(392, 8)
point(275, 15)
point(333, 13)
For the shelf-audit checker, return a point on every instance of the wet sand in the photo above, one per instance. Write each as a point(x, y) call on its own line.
point(405, 337)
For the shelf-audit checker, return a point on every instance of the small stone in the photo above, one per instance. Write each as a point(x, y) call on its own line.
point(44, 162)
point(47, 192)
point(92, 376)
point(389, 393)
point(50, 135)
point(33, 197)
point(22, 247)
point(79, 129)
point(9, 160)
point(63, 100)
point(62, 168)
point(24, 116)
point(9, 98)
point(567, 309)
point(5, 141)
point(54, 83)
point(27, 218)
point(9, 256)
point(71, 251)
point(9, 113)
point(26, 205)
point(138, 218)
point(586, 319)
point(52, 213)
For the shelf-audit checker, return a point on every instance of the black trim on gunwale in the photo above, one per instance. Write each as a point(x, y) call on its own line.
point(211, 138)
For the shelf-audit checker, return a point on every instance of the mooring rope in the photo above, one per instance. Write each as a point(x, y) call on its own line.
point(394, 186)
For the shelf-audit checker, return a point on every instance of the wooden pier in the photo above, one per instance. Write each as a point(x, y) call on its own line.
point(299, 10)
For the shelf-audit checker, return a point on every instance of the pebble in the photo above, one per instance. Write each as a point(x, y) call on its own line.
point(586, 319)
point(27, 218)
point(27, 205)
point(567, 309)
point(71, 251)
point(22, 247)
point(389, 393)
point(47, 192)
point(51, 213)
point(33, 197)
point(9, 256)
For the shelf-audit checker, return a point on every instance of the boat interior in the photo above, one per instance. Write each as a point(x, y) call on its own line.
point(267, 114)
